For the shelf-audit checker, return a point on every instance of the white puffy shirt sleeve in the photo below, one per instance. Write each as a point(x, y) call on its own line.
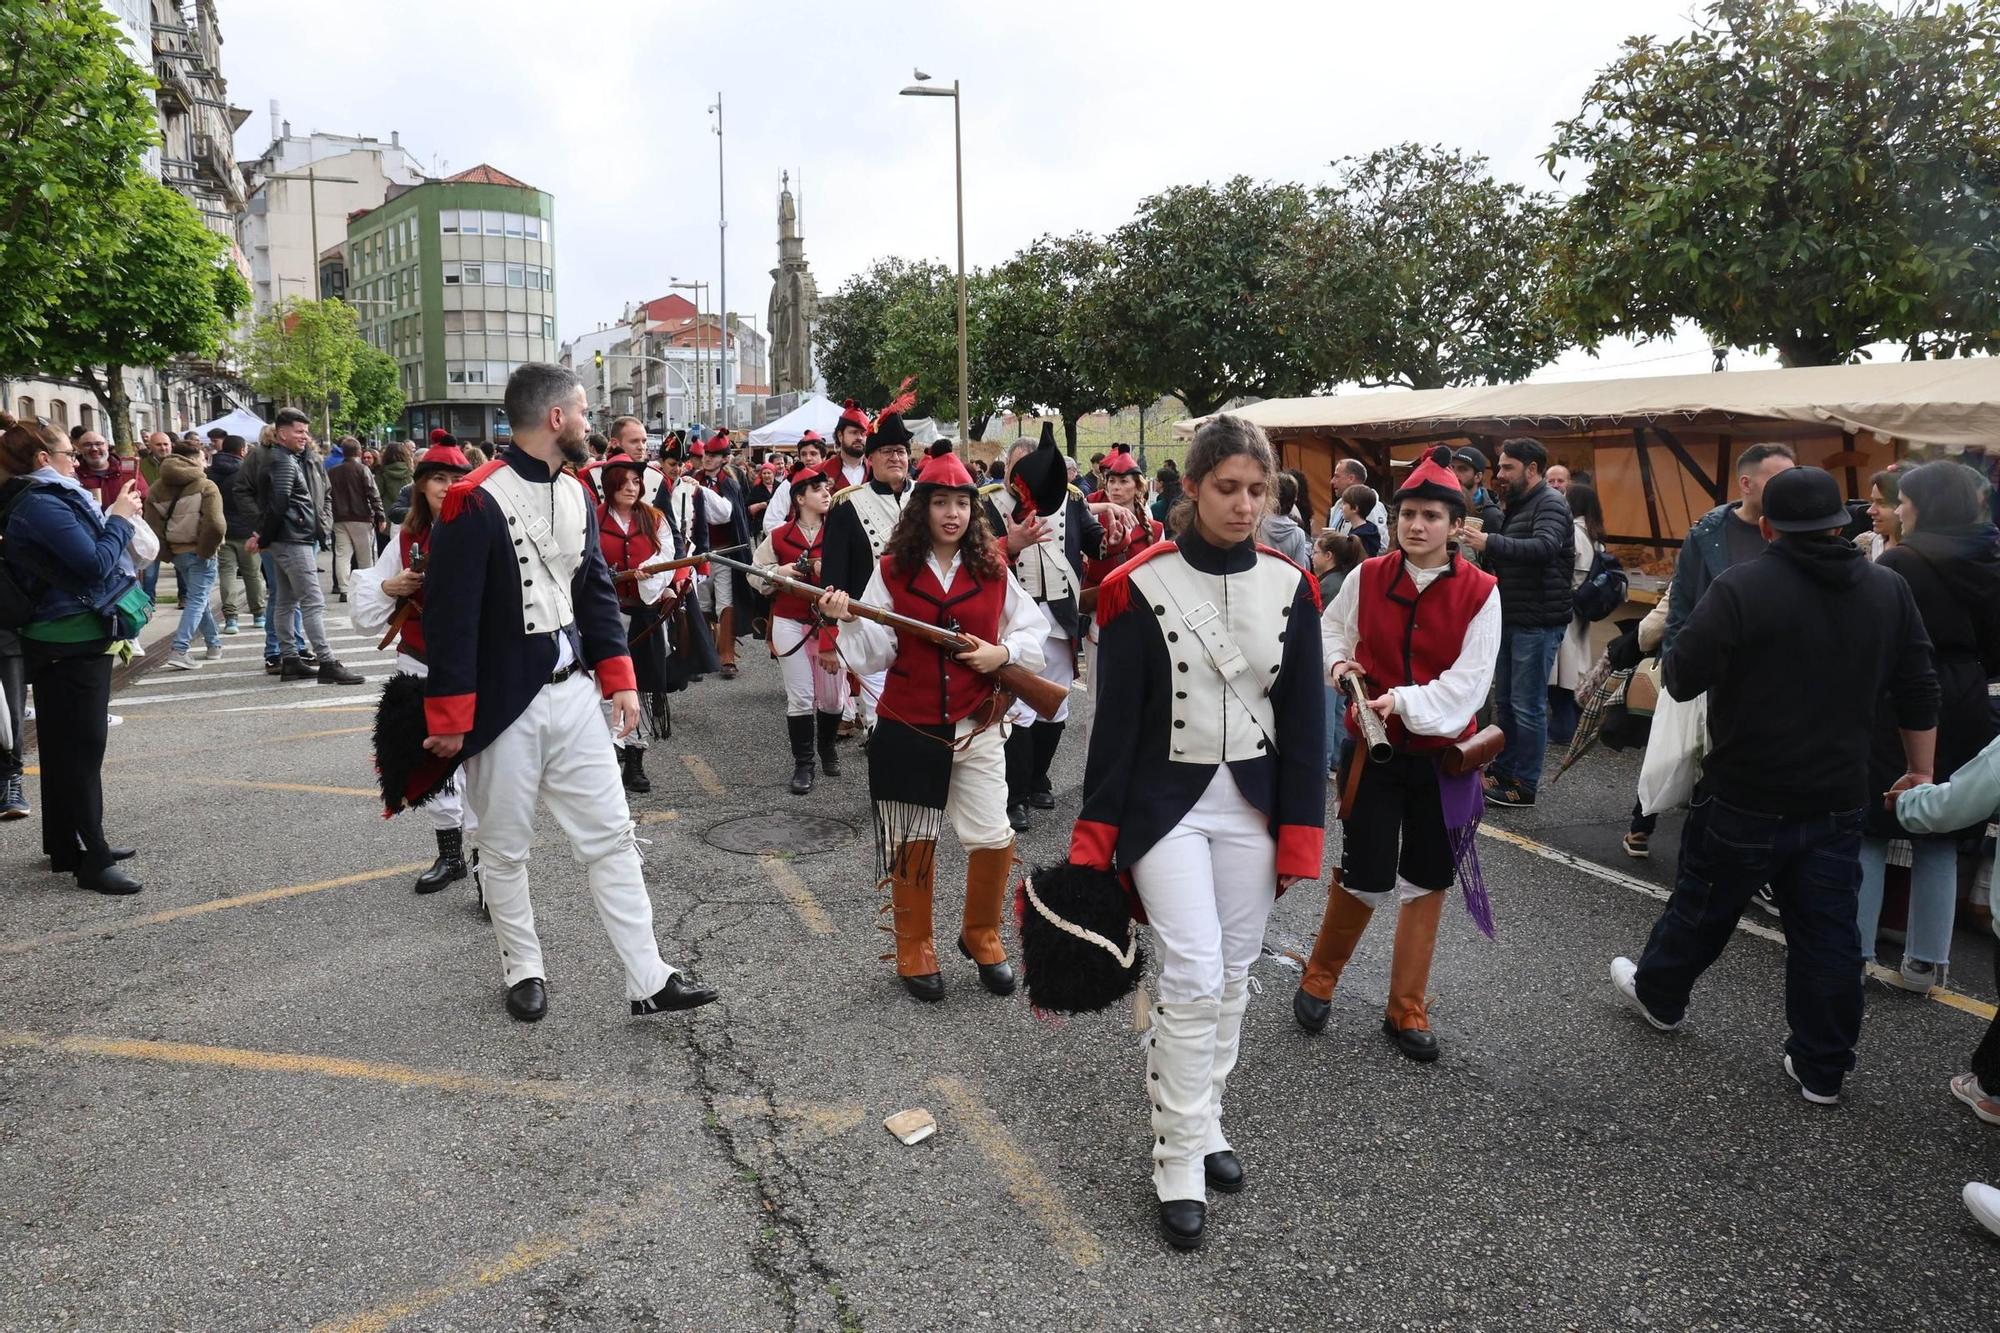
point(715, 504)
point(370, 606)
point(1447, 704)
point(780, 507)
point(1338, 624)
point(1024, 626)
point(865, 646)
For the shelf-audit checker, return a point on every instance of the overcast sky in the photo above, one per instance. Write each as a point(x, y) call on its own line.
point(1074, 111)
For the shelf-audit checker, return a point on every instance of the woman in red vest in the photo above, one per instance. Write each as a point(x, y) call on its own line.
point(937, 751)
point(1422, 627)
point(633, 535)
point(1124, 485)
point(813, 694)
point(374, 597)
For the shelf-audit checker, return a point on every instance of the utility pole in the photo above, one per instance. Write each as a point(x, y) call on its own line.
point(312, 178)
point(722, 255)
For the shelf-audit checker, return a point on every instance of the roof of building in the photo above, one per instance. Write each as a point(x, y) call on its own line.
point(671, 306)
point(486, 175)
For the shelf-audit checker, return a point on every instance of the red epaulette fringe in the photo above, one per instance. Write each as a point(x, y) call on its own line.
point(464, 489)
point(1115, 593)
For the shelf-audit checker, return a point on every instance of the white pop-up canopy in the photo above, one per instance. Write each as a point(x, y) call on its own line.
point(818, 414)
point(239, 421)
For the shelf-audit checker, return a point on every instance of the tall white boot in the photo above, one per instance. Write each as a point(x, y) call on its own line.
point(1219, 1162)
point(1180, 1067)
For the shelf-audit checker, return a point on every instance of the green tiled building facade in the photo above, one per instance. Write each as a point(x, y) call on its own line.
point(455, 279)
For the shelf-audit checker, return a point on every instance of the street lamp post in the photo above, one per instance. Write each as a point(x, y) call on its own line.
point(722, 256)
point(921, 88)
point(698, 288)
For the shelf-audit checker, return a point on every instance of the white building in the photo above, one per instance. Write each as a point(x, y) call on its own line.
point(302, 191)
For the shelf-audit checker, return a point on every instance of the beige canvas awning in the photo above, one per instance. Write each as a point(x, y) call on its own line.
point(1955, 404)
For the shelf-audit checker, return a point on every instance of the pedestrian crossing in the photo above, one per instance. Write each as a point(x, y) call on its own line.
point(243, 661)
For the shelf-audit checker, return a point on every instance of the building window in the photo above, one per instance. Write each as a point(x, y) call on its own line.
point(454, 321)
point(59, 414)
point(517, 321)
point(451, 275)
point(515, 276)
point(514, 221)
point(497, 372)
point(534, 228)
point(24, 407)
point(534, 278)
point(448, 221)
point(495, 224)
point(548, 327)
point(496, 274)
point(473, 274)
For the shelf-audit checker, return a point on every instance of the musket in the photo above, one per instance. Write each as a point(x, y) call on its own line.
point(683, 562)
point(404, 606)
point(1046, 697)
point(1373, 735)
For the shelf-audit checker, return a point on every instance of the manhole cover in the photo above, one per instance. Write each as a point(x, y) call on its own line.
point(784, 834)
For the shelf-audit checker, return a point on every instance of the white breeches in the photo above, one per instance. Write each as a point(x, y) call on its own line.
point(1059, 666)
point(872, 684)
point(976, 805)
point(1208, 887)
point(717, 591)
point(809, 687)
point(558, 751)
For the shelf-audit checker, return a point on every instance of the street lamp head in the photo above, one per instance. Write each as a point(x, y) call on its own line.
point(920, 90)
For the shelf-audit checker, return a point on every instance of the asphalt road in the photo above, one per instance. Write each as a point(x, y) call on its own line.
point(277, 1090)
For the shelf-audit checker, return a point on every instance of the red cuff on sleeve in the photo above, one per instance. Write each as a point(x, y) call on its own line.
point(449, 714)
point(615, 674)
point(1092, 844)
point(1301, 850)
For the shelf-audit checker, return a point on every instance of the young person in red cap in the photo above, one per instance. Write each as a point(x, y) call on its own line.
point(397, 579)
point(858, 528)
point(814, 691)
point(692, 511)
point(847, 465)
point(731, 533)
point(633, 535)
point(1124, 486)
point(1421, 626)
point(1206, 782)
point(937, 752)
point(809, 453)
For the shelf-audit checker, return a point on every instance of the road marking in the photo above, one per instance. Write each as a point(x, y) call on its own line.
point(369, 792)
point(333, 705)
point(113, 927)
point(148, 755)
point(704, 776)
point(193, 695)
point(797, 894)
point(1031, 1189)
point(657, 817)
point(525, 1257)
point(167, 676)
point(1949, 998)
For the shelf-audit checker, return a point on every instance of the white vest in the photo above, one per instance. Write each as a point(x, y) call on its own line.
point(547, 522)
point(878, 512)
point(1236, 620)
point(1044, 568)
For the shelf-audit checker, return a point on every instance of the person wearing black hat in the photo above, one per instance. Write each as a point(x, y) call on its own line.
point(692, 510)
point(1469, 466)
point(858, 528)
point(1796, 649)
point(937, 752)
point(1421, 627)
point(1048, 528)
point(723, 590)
point(396, 580)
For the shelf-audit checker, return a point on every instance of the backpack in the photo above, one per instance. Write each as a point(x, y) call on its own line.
point(183, 520)
point(17, 597)
point(1603, 589)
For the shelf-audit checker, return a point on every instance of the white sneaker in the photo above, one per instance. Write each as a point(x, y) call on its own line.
point(1625, 976)
point(1816, 1098)
point(1983, 1202)
point(214, 652)
point(180, 661)
point(113, 720)
point(1919, 976)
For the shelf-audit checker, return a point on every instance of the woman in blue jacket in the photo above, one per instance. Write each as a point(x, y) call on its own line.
point(73, 560)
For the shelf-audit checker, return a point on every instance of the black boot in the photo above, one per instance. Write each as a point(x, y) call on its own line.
point(801, 730)
point(1020, 756)
point(1047, 735)
point(829, 735)
point(635, 776)
point(450, 864)
point(479, 886)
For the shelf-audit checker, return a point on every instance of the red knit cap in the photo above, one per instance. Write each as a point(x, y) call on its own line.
point(1120, 463)
point(946, 472)
point(1432, 479)
point(852, 415)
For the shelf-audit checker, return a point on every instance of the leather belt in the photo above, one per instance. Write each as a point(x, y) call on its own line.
point(558, 677)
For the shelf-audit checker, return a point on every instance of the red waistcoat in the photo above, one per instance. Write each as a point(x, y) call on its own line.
point(625, 550)
point(412, 638)
point(1411, 638)
point(926, 687)
point(790, 546)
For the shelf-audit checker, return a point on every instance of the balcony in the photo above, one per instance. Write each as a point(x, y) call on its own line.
point(216, 167)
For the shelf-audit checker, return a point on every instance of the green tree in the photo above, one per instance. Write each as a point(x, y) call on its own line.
point(75, 120)
point(302, 354)
point(920, 339)
point(1189, 304)
point(1417, 268)
point(1805, 175)
point(1026, 331)
point(157, 285)
point(373, 399)
point(852, 325)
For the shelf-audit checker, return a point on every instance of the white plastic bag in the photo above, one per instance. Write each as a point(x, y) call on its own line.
point(1674, 749)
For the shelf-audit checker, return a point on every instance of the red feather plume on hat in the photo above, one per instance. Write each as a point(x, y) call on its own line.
point(905, 399)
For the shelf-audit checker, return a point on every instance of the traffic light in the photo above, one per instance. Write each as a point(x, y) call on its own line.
point(600, 359)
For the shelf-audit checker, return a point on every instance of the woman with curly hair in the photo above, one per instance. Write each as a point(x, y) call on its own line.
point(634, 535)
point(938, 748)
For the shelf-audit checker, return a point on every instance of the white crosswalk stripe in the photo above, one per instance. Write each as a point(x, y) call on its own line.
point(210, 671)
point(190, 696)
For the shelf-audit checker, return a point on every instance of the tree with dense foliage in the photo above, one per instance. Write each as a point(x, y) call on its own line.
point(75, 121)
point(1189, 303)
point(1028, 333)
point(156, 285)
point(1806, 175)
point(852, 326)
point(920, 339)
point(373, 399)
point(303, 354)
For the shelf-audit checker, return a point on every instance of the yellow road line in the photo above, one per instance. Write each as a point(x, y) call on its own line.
point(704, 776)
point(1031, 1189)
point(657, 817)
point(1949, 998)
point(797, 894)
point(148, 755)
point(250, 785)
point(113, 927)
point(528, 1255)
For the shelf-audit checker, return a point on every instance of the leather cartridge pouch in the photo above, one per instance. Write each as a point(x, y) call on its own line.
point(1474, 752)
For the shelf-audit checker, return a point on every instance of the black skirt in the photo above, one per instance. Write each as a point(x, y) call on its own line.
point(648, 647)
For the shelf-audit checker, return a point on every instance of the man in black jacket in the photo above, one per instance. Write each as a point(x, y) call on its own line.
point(290, 490)
point(234, 560)
point(1794, 648)
point(1533, 555)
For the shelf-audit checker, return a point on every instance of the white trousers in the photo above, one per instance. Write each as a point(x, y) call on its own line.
point(976, 805)
point(872, 684)
point(559, 751)
point(1059, 666)
point(809, 687)
point(1208, 887)
point(717, 592)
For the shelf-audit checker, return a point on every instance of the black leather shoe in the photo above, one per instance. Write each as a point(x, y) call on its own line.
point(1042, 798)
point(332, 672)
point(1420, 1044)
point(1223, 1170)
point(680, 992)
point(445, 870)
point(802, 777)
point(528, 999)
point(996, 977)
point(1182, 1221)
point(930, 986)
point(1017, 816)
point(1310, 1011)
point(122, 853)
point(295, 668)
point(110, 880)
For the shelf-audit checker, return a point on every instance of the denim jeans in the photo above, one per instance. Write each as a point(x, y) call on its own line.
point(1521, 701)
point(1813, 865)
point(1336, 726)
point(195, 577)
point(149, 579)
point(271, 649)
point(1933, 896)
point(296, 591)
